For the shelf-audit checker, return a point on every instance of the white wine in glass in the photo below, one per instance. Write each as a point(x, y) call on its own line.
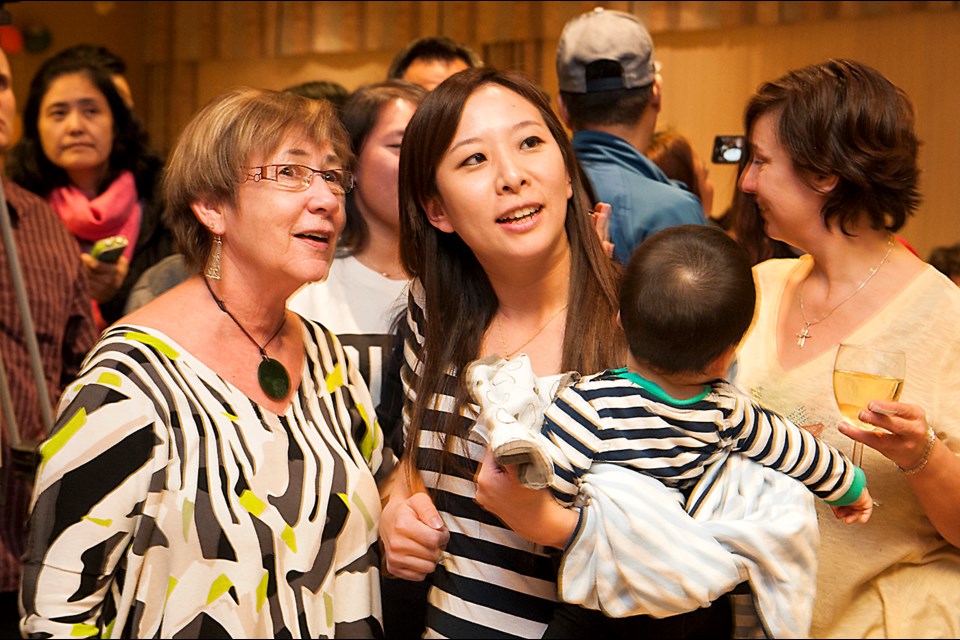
point(862, 374)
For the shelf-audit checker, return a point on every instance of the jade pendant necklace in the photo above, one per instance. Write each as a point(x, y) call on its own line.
point(271, 374)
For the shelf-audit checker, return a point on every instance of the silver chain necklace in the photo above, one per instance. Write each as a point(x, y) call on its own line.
point(805, 332)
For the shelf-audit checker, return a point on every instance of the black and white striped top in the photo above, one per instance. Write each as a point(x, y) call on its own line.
point(492, 583)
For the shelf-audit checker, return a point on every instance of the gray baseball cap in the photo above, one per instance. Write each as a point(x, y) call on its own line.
point(604, 34)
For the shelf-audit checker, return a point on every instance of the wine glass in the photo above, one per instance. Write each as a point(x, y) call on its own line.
point(862, 374)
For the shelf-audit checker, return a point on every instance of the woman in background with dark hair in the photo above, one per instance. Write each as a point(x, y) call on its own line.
point(85, 152)
point(366, 287)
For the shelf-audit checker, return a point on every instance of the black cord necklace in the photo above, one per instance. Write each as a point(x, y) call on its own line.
point(271, 374)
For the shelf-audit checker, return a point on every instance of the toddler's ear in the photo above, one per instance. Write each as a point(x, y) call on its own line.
point(720, 367)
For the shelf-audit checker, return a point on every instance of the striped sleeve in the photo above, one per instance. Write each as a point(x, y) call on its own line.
point(409, 365)
point(776, 442)
point(492, 583)
point(571, 425)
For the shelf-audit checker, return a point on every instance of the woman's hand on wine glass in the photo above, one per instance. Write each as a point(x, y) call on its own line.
point(905, 439)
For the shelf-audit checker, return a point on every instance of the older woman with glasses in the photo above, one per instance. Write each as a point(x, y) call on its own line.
point(213, 470)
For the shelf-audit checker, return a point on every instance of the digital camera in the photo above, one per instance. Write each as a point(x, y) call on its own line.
point(729, 149)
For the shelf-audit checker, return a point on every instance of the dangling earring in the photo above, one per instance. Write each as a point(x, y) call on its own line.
point(213, 262)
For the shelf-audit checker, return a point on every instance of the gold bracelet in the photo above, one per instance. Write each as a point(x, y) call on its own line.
point(931, 439)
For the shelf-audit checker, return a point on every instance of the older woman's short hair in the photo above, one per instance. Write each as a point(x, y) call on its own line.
point(212, 153)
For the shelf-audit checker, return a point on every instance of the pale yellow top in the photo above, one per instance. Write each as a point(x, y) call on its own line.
point(894, 577)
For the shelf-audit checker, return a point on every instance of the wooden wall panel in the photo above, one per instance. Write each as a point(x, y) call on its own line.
point(243, 30)
point(430, 20)
point(336, 27)
point(556, 14)
point(156, 49)
point(458, 20)
point(714, 55)
point(519, 55)
point(193, 31)
point(388, 26)
point(771, 13)
point(167, 117)
point(697, 16)
point(295, 27)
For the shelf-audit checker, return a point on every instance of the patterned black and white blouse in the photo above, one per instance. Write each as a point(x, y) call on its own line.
point(168, 504)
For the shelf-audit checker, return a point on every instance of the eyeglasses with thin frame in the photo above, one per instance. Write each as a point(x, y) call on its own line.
point(298, 177)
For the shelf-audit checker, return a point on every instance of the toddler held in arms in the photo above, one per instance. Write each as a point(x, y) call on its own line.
point(686, 300)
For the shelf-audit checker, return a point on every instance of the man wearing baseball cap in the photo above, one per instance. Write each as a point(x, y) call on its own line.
point(610, 95)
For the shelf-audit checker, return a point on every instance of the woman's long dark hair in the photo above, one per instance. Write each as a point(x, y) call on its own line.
point(29, 166)
point(360, 114)
point(459, 299)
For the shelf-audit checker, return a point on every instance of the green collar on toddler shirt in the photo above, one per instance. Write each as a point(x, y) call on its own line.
point(655, 389)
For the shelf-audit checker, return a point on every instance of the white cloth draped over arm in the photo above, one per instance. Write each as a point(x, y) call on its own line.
point(638, 552)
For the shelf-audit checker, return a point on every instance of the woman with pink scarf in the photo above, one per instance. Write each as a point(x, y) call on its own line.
point(85, 152)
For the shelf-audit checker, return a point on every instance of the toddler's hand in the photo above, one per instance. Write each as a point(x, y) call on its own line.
point(859, 511)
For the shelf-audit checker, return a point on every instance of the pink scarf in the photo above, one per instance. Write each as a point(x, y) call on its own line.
point(115, 212)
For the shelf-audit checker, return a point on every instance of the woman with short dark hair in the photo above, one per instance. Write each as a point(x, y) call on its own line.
point(833, 169)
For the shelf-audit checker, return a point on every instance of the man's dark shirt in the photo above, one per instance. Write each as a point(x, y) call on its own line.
point(56, 289)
